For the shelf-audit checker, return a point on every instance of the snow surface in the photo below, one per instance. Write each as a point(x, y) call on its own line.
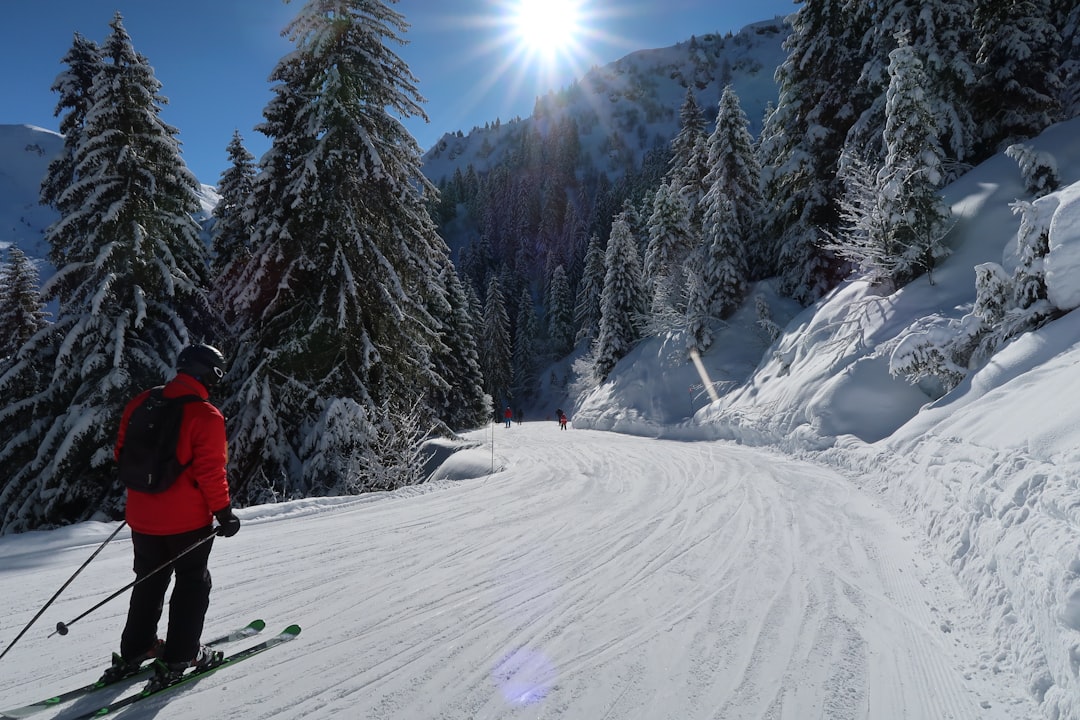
point(592, 575)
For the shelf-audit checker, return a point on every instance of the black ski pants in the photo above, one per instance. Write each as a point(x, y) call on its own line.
point(189, 600)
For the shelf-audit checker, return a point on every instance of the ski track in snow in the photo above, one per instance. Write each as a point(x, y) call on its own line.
point(595, 577)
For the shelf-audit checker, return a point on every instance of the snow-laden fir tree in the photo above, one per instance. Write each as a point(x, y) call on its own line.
point(587, 309)
point(130, 287)
point(74, 86)
point(496, 349)
point(718, 279)
point(22, 312)
point(526, 350)
point(913, 214)
point(669, 247)
point(802, 140)
point(735, 175)
point(231, 234)
point(688, 167)
point(338, 341)
point(1018, 90)
point(940, 34)
point(560, 314)
point(460, 402)
point(623, 302)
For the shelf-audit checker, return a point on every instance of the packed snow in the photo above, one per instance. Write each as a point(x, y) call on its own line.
point(591, 575)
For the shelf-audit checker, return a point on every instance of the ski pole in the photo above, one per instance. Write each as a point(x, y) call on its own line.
point(63, 587)
point(62, 627)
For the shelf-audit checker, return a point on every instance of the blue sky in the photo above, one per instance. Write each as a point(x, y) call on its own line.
point(213, 57)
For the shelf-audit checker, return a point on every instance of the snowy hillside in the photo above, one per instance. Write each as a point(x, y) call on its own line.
point(632, 105)
point(25, 153)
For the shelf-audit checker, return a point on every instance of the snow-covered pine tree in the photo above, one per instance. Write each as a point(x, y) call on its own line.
point(560, 314)
point(802, 140)
point(460, 401)
point(1018, 90)
point(940, 34)
point(587, 309)
point(526, 343)
point(1038, 168)
point(496, 350)
point(1068, 19)
point(734, 174)
point(718, 284)
point(22, 312)
point(232, 227)
point(669, 247)
point(337, 339)
point(130, 284)
point(623, 302)
point(912, 212)
point(688, 167)
point(74, 87)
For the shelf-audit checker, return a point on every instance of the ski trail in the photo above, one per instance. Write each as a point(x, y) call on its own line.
point(594, 576)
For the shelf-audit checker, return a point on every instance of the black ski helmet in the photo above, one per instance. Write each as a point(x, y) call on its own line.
point(203, 362)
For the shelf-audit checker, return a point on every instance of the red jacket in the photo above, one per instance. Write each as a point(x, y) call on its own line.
point(203, 488)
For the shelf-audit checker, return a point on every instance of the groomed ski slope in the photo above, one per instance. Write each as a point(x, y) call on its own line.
point(593, 576)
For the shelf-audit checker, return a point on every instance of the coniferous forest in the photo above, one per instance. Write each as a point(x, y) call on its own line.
point(353, 332)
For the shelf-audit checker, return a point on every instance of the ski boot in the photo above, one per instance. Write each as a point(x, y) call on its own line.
point(166, 674)
point(122, 668)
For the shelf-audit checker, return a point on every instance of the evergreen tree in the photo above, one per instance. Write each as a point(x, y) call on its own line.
point(735, 176)
point(666, 254)
point(718, 282)
point(526, 341)
point(560, 314)
point(460, 401)
point(74, 87)
point(338, 341)
point(940, 34)
point(803, 138)
point(688, 167)
point(913, 215)
point(1018, 90)
point(232, 227)
point(496, 351)
point(130, 285)
point(623, 302)
point(587, 309)
point(22, 313)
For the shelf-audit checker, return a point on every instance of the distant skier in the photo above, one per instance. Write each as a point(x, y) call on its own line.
point(562, 420)
point(508, 415)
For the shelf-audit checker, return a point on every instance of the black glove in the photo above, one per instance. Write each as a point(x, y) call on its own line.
point(228, 523)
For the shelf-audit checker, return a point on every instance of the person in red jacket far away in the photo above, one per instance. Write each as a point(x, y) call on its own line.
point(165, 524)
point(508, 415)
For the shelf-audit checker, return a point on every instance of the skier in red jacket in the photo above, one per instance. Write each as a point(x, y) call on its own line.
point(165, 524)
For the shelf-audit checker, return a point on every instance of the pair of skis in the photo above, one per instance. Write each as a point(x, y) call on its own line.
point(247, 631)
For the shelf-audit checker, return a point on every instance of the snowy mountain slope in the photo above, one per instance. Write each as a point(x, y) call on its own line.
point(593, 575)
point(632, 105)
point(25, 154)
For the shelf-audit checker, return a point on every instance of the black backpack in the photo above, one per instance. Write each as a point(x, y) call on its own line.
point(148, 456)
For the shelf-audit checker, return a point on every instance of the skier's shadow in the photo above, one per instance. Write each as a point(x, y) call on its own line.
point(144, 709)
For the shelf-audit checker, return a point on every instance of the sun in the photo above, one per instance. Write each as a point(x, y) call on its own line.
point(547, 27)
